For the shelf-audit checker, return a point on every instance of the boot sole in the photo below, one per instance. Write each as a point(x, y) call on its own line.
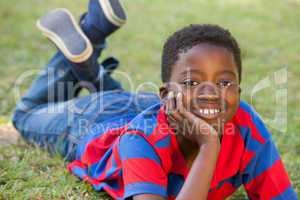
point(60, 27)
point(113, 11)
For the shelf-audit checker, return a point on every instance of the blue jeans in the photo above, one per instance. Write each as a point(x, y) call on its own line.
point(52, 117)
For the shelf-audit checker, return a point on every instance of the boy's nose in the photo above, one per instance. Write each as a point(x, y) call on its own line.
point(208, 91)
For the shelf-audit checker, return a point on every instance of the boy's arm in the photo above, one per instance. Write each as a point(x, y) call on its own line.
point(265, 176)
point(144, 178)
point(197, 184)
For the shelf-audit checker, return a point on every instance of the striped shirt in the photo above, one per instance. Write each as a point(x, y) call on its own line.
point(142, 156)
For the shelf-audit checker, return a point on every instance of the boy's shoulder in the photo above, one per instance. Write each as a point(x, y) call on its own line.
point(250, 122)
point(151, 127)
point(147, 121)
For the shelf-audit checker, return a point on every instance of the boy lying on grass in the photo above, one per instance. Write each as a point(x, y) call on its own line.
point(196, 140)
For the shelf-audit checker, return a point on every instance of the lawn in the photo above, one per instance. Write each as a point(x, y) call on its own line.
point(268, 33)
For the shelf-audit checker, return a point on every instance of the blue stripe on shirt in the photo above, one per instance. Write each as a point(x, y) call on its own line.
point(257, 121)
point(144, 188)
point(135, 146)
point(265, 157)
point(288, 194)
point(163, 143)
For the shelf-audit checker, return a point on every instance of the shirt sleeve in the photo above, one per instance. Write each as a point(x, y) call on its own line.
point(141, 167)
point(265, 176)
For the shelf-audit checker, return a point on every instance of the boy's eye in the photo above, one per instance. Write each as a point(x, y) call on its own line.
point(190, 83)
point(224, 83)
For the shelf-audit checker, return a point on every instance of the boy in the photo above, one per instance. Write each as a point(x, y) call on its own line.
point(197, 141)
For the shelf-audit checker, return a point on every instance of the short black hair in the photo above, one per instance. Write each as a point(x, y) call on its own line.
point(192, 35)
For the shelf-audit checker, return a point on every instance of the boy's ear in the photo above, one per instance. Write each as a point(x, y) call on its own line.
point(163, 91)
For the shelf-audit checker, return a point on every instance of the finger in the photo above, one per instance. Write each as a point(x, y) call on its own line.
point(176, 116)
point(172, 122)
point(187, 120)
point(179, 102)
point(188, 115)
point(175, 122)
point(172, 101)
point(168, 104)
point(172, 107)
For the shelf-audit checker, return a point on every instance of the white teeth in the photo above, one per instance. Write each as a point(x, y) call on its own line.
point(209, 111)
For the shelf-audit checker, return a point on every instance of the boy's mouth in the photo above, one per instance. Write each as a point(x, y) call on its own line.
point(208, 112)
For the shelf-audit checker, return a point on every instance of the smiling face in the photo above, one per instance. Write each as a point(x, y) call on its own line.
point(208, 78)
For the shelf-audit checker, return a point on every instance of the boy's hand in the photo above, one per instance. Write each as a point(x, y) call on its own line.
point(187, 124)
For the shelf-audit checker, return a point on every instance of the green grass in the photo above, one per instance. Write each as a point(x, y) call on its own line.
point(268, 32)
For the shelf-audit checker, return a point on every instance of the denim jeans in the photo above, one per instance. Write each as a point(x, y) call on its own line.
point(52, 117)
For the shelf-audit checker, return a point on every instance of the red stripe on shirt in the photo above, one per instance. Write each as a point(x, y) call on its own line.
point(245, 119)
point(247, 157)
point(270, 183)
point(143, 170)
point(99, 146)
point(75, 163)
point(232, 148)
